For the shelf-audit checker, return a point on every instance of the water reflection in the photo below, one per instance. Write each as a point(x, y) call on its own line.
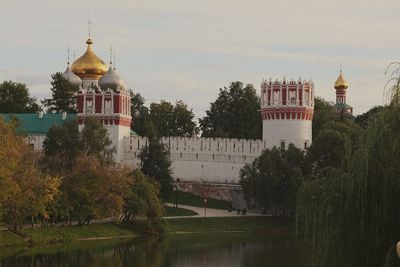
point(184, 250)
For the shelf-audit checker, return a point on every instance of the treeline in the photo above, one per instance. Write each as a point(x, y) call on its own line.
point(75, 180)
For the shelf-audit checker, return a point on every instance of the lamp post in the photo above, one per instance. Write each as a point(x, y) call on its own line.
point(176, 192)
point(175, 198)
point(205, 206)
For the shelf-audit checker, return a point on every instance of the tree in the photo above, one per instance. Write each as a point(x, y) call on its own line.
point(25, 192)
point(324, 113)
point(137, 103)
point(162, 119)
point(364, 119)
point(93, 190)
point(156, 164)
point(352, 214)
point(15, 98)
point(170, 120)
point(271, 181)
point(234, 114)
point(142, 199)
point(63, 144)
point(63, 95)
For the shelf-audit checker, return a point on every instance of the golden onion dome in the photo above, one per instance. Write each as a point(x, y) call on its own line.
point(341, 82)
point(89, 65)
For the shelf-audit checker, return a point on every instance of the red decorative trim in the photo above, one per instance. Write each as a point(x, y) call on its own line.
point(80, 103)
point(294, 113)
point(98, 103)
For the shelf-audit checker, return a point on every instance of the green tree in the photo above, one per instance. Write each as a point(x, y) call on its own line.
point(156, 164)
point(15, 98)
point(352, 214)
point(364, 119)
point(331, 149)
point(234, 114)
point(271, 181)
point(170, 120)
point(63, 144)
point(63, 95)
point(324, 113)
point(142, 199)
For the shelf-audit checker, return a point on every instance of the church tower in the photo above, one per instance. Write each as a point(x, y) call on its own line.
point(287, 109)
point(103, 96)
point(341, 86)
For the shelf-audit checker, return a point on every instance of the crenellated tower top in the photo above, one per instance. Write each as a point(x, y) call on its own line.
point(287, 109)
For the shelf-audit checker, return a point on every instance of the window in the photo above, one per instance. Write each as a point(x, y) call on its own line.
point(305, 144)
point(276, 97)
point(292, 97)
point(283, 144)
point(306, 98)
point(197, 156)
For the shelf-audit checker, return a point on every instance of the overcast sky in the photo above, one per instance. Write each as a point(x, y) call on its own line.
point(186, 50)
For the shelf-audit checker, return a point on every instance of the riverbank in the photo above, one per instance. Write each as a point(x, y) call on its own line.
point(65, 234)
point(229, 224)
point(42, 236)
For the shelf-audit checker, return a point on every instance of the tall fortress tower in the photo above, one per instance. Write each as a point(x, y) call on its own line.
point(287, 109)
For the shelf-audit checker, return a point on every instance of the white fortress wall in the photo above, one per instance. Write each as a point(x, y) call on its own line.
point(297, 132)
point(217, 160)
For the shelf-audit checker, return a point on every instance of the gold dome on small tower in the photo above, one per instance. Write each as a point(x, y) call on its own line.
point(341, 82)
point(89, 65)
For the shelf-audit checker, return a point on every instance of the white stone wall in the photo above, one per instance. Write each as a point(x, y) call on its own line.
point(216, 160)
point(277, 132)
point(35, 140)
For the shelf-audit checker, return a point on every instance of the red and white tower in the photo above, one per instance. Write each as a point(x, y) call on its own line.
point(103, 96)
point(287, 109)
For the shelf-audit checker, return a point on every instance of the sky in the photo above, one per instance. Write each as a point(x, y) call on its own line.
point(186, 50)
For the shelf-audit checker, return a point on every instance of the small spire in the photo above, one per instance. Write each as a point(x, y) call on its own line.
point(74, 57)
point(341, 67)
point(68, 56)
point(114, 62)
point(89, 28)
point(110, 55)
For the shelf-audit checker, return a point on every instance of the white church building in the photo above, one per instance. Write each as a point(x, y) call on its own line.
point(287, 108)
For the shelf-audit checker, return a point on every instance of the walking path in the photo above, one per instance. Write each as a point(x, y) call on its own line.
point(208, 213)
point(199, 210)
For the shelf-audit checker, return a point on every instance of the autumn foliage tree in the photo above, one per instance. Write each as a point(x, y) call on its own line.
point(25, 192)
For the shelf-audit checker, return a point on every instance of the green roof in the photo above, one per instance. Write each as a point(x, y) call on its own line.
point(133, 133)
point(31, 123)
point(342, 106)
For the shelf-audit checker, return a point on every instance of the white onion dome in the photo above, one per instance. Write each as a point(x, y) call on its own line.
point(71, 77)
point(111, 80)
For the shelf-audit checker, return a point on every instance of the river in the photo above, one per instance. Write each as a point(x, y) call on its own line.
point(233, 249)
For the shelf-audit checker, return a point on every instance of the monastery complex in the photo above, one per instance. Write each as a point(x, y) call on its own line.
point(287, 109)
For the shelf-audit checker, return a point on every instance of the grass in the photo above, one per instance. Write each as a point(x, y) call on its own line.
point(190, 199)
point(230, 224)
point(41, 236)
point(171, 211)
